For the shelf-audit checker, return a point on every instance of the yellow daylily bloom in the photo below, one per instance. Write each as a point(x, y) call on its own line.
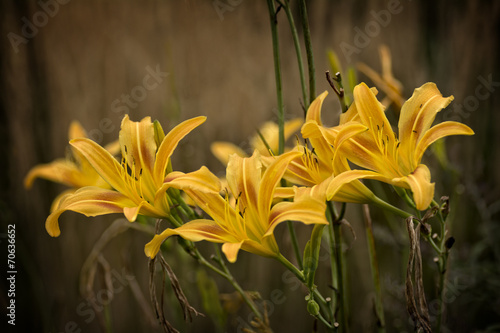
point(249, 223)
point(387, 158)
point(73, 171)
point(137, 182)
point(270, 131)
point(320, 165)
point(385, 81)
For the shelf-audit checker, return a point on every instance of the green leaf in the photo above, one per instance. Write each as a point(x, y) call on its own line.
point(311, 254)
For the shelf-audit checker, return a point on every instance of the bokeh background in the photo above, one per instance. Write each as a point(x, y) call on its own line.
point(219, 64)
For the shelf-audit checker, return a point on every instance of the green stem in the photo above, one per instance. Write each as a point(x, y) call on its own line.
point(443, 263)
point(281, 110)
point(235, 284)
point(333, 261)
point(323, 303)
point(379, 308)
point(336, 240)
point(342, 287)
point(381, 203)
point(191, 248)
point(277, 74)
point(295, 243)
point(309, 51)
point(286, 6)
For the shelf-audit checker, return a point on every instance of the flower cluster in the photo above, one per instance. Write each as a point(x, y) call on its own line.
point(315, 172)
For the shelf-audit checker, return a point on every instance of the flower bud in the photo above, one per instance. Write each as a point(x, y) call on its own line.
point(313, 307)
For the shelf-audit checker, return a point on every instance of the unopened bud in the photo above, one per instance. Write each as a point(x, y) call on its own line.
point(313, 307)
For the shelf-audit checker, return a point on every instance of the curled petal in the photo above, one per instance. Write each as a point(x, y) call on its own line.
point(417, 115)
point(194, 231)
point(421, 186)
point(437, 132)
point(309, 208)
point(202, 180)
point(314, 111)
point(89, 201)
point(345, 178)
point(231, 250)
point(169, 144)
point(59, 171)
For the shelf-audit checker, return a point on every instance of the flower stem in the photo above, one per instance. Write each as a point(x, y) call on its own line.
point(195, 253)
point(235, 284)
point(338, 269)
point(286, 6)
point(277, 74)
point(379, 308)
point(295, 243)
point(442, 266)
point(281, 110)
point(323, 303)
point(309, 51)
point(381, 203)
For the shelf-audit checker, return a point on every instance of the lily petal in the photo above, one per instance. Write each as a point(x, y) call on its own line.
point(59, 171)
point(194, 231)
point(138, 145)
point(437, 132)
point(89, 201)
point(421, 186)
point(243, 177)
point(307, 208)
point(231, 250)
point(169, 144)
point(371, 112)
point(270, 179)
point(347, 177)
point(102, 161)
point(314, 111)
point(417, 115)
point(202, 180)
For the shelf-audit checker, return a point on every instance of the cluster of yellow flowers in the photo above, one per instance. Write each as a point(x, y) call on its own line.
point(319, 171)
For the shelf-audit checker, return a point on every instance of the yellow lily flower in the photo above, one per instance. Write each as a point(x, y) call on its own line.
point(137, 182)
point(73, 171)
point(249, 223)
point(320, 165)
point(270, 131)
point(387, 158)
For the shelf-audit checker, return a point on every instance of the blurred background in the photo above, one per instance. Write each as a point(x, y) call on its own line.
point(80, 60)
